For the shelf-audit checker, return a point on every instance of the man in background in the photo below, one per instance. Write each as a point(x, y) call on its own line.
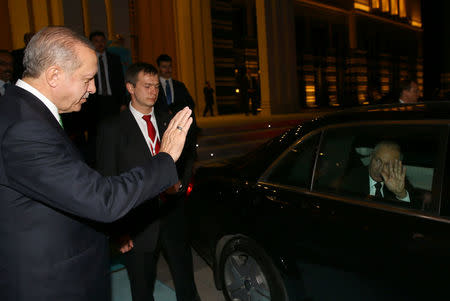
point(6, 70)
point(104, 103)
point(409, 91)
point(209, 99)
point(109, 80)
point(18, 57)
point(173, 94)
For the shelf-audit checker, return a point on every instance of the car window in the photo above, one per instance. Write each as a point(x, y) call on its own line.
point(361, 162)
point(294, 168)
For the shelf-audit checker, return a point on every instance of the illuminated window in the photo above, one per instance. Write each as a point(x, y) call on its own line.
point(394, 7)
point(385, 5)
point(402, 8)
point(416, 23)
point(362, 5)
point(375, 4)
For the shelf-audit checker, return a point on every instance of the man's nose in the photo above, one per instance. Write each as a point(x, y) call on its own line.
point(91, 87)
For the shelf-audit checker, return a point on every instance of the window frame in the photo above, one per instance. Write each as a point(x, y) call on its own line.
point(438, 180)
point(263, 178)
point(437, 177)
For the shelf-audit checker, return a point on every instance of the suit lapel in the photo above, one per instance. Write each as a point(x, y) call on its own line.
point(132, 134)
point(176, 89)
point(161, 103)
point(162, 119)
point(110, 65)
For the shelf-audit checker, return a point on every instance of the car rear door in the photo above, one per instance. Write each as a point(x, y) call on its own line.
point(389, 256)
point(360, 247)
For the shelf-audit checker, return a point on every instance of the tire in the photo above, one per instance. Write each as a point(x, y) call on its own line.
point(248, 274)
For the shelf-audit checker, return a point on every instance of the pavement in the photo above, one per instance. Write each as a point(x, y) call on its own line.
point(223, 137)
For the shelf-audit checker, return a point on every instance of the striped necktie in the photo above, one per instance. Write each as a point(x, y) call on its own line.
point(168, 93)
point(152, 134)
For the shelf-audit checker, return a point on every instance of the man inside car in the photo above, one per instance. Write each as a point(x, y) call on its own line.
point(384, 177)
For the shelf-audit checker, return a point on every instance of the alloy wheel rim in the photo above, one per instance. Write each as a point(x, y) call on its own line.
point(244, 279)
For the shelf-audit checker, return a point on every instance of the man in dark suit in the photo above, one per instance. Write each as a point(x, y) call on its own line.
point(6, 70)
point(209, 99)
point(173, 95)
point(129, 140)
point(109, 80)
point(409, 91)
point(51, 201)
point(105, 102)
point(385, 177)
point(18, 57)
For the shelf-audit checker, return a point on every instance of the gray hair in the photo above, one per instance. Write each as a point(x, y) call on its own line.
point(53, 45)
point(387, 144)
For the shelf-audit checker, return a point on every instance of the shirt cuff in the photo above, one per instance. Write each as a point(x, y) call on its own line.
point(406, 198)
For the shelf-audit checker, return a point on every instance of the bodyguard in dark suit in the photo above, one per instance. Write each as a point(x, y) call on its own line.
point(173, 94)
point(110, 94)
point(6, 70)
point(105, 102)
point(18, 57)
point(385, 177)
point(130, 140)
point(51, 201)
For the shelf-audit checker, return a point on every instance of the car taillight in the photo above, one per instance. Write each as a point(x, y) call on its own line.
point(189, 189)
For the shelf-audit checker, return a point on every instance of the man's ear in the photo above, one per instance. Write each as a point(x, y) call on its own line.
point(54, 75)
point(130, 88)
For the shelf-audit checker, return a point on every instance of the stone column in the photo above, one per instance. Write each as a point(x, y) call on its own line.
point(153, 30)
point(194, 47)
point(5, 25)
point(20, 21)
point(56, 15)
point(277, 57)
point(86, 17)
point(18, 17)
point(181, 29)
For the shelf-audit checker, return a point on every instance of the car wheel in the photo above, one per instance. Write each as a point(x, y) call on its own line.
point(248, 274)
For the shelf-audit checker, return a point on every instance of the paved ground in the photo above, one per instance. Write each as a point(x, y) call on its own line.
point(203, 278)
point(222, 137)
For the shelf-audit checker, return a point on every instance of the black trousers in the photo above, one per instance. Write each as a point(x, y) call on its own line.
point(141, 265)
point(208, 107)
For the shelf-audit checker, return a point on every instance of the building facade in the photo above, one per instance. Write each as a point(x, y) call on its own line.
point(293, 54)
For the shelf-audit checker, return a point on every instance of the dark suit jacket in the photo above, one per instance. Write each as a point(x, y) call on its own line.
point(357, 182)
point(18, 69)
point(115, 76)
point(121, 146)
point(50, 198)
point(99, 107)
point(181, 99)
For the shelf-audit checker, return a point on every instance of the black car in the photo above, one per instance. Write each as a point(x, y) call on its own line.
point(291, 221)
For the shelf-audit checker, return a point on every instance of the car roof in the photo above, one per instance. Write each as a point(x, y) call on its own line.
point(437, 110)
point(420, 111)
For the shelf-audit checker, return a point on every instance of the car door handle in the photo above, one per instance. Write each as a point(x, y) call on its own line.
point(418, 236)
point(274, 198)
